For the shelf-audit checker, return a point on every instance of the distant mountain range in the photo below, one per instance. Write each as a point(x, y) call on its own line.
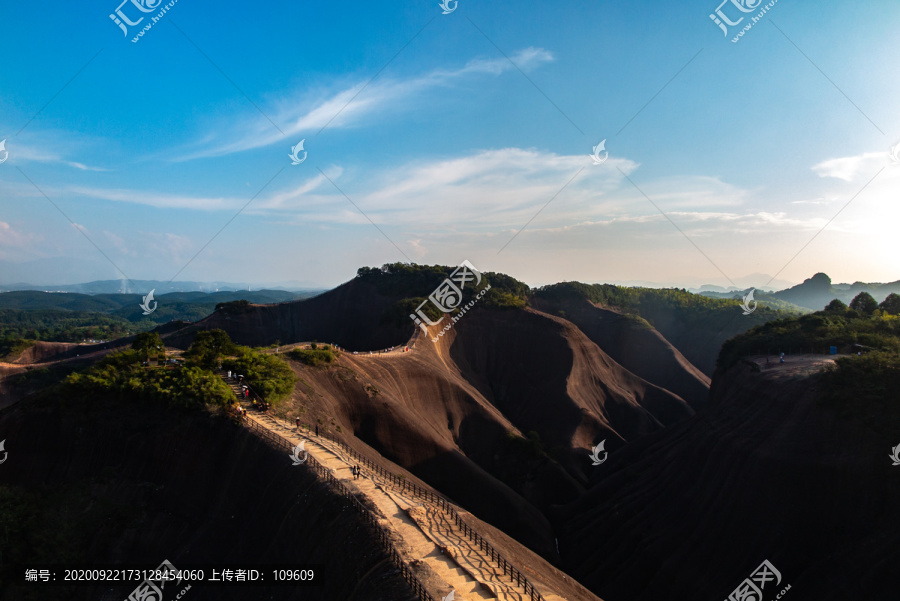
point(143, 287)
point(57, 316)
point(814, 293)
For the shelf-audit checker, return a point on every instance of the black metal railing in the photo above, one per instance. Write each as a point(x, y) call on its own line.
point(383, 536)
point(401, 482)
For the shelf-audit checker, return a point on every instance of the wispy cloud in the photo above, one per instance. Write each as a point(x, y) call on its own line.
point(852, 168)
point(155, 199)
point(302, 114)
point(22, 153)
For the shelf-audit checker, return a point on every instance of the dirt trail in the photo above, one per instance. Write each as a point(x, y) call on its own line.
point(423, 532)
point(794, 366)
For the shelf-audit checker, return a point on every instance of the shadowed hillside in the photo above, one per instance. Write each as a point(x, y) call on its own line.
point(130, 482)
point(635, 345)
point(766, 472)
point(499, 414)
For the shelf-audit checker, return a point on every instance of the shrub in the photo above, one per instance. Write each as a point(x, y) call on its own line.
point(313, 357)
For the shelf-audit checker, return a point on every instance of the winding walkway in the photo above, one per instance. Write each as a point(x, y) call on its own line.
point(426, 535)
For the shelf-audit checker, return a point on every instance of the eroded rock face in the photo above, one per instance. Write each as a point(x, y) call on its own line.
point(639, 349)
point(766, 472)
point(352, 315)
point(445, 410)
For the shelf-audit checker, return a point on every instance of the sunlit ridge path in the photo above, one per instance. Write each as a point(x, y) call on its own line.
point(446, 553)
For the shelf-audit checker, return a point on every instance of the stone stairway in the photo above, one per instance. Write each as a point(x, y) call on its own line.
point(425, 532)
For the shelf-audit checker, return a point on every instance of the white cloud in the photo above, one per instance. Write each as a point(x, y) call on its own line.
point(11, 237)
point(298, 116)
point(154, 199)
point(852, 168)
point(37, 154)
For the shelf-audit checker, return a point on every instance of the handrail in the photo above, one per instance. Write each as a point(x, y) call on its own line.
point(508, 568)
point(383, 535)
point(515, 575)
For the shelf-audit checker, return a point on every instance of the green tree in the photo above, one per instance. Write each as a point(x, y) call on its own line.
point(836, 306)
point(268, 375)
point(147, 344)
point(891, 304)
point(209, 347)
point(864, 304)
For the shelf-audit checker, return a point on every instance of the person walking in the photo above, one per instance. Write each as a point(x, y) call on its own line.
point(358, 472)
point(298, 423)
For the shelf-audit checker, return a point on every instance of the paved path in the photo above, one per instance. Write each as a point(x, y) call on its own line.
point(794, 365)
point(424, 533)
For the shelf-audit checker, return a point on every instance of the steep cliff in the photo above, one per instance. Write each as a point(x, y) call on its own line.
point(766, 472)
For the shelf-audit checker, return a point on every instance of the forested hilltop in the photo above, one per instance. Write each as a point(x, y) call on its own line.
point(862, 385)
point(696, 325)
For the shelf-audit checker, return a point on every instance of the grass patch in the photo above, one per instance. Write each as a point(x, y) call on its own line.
point(313, 357)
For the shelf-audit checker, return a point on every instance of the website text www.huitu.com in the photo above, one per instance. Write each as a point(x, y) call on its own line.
point(753, 21)
point(783, 591)
point(153, 21)
point(462, 312)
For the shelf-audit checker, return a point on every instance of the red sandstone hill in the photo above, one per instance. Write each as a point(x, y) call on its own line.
point(635, 345)
point(457, 413)
point(354, 315)
point(765, 472)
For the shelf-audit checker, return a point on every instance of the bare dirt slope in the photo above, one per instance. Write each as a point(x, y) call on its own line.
point(636, 347)
point(456, 412)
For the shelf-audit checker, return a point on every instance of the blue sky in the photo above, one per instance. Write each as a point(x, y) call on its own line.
point(725, 159)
